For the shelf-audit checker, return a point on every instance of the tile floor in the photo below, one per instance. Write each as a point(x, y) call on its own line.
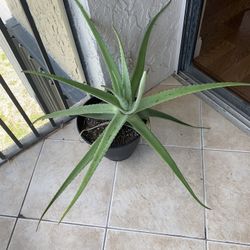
point(138, 203)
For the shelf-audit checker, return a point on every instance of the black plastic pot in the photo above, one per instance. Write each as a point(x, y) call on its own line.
point(114, 153)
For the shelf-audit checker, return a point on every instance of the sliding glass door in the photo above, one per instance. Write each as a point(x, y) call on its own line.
point(223, 43)
point(216, 47)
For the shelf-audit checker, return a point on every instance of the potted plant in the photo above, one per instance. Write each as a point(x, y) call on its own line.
point(90, 128)
point(121, 106)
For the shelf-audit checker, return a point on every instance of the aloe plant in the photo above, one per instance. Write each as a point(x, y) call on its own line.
point(123, 103)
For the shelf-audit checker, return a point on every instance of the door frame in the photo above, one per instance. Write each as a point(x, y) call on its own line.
point(223, 100)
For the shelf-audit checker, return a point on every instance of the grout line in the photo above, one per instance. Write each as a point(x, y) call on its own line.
point(227, 150)
point(7, 216)
point(229, 242)
point(128, 230)
point(75, 224)
point(65, 140)
point(174, 146)
point(63, 223)
point(110, 206)
point(139, 231)
point(112, 194)
point(154, 233)
point(204, 174)
point(170, 146)
point(14, 227)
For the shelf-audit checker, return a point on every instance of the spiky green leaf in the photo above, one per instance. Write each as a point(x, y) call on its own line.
point(152, 140)
point(167, 95)
point(146, 114)
point(81, 110)
point(102, 95)
point(108, 136)
point(139, 94)
point(123, 102)
point(126, 85)
point(75, 172)
point(140, 65)
point(111, 65)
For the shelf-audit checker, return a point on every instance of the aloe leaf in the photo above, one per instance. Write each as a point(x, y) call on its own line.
point(139, 94)
point(112, 67)
point(167, 95)
point(81, 110)
point(123, 102)
point(79, 167)
point(100, 94)
point(108, 136)
point(125, 74)
point(140, 65)
point(141, 128)
point(146, 114)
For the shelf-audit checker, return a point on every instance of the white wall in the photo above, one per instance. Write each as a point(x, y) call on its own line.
point(87, 45)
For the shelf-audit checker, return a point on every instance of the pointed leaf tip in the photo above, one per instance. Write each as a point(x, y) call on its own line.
point(153, 141)
point(140, 64)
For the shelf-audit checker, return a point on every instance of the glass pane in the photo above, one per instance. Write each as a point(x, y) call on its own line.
point(223, 45)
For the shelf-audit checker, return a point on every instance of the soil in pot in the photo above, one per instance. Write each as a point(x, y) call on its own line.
point(93, 128)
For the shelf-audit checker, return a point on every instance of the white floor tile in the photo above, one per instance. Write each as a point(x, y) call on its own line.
point(186, 109)
point(228, 194)
point(52, 236)
point(120, 240)
point(148, 196)
point(14, 179)
point(6, 226)
point(57, 160)
point(223, 134)
point(226, 246)
point(67, 132)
